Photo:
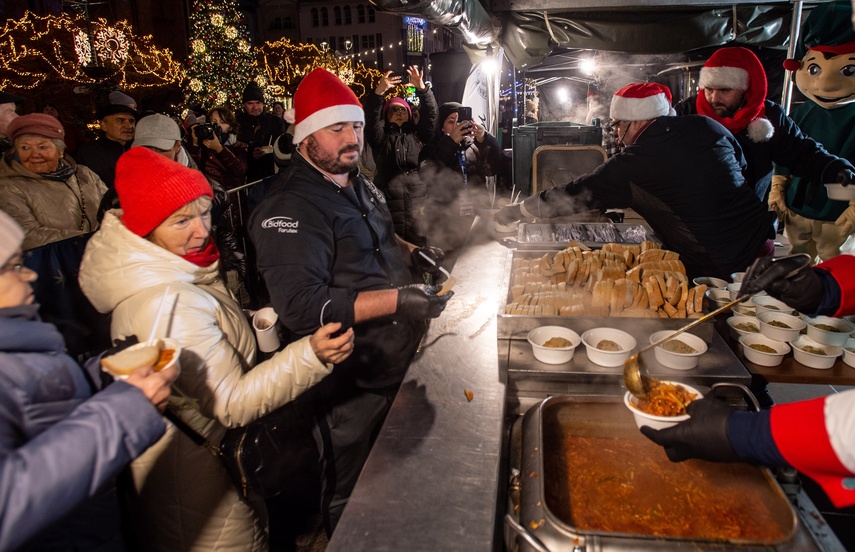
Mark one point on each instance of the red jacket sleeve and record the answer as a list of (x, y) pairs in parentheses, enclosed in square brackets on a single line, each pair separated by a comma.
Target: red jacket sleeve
[(842, 269)]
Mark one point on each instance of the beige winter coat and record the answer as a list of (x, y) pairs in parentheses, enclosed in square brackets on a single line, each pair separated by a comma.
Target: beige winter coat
[(48, 210), (186, 501)]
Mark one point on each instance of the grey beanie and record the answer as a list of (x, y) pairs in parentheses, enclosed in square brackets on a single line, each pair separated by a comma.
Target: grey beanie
[(11, 237)]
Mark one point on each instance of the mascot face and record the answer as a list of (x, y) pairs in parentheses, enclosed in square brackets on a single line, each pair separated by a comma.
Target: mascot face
[(827, 79)]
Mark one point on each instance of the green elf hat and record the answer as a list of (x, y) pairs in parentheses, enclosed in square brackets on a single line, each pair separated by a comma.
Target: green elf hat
[(827, 29)]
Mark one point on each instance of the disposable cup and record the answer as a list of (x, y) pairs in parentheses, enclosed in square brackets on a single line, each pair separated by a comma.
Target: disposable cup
[(264, 324)]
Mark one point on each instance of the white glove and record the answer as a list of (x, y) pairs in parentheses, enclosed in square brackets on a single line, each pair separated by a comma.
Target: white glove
[(778, 194), (847, 219)]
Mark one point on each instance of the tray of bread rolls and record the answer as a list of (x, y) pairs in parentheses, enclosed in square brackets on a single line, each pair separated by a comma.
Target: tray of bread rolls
[(592, 235), (617, 280)]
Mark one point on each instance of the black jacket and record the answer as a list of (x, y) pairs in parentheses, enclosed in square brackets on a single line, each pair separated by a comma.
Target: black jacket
[(101, 157), (684, 176), (787, 147), (318, 245), (396, 153), (259, 131)]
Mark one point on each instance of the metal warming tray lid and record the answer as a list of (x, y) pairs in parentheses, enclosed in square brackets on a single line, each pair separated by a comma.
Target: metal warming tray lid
[(545, 235), (590, 481)]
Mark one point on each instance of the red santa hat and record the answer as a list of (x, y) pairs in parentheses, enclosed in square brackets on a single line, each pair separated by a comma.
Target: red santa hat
[(738, 69), (322, 100), (641, 102)]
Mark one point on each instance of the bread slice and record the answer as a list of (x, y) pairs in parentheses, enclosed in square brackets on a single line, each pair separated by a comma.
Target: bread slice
[(127, 360)]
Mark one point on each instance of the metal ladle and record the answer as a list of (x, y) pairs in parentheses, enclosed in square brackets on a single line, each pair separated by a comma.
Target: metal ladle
[(635, 375)]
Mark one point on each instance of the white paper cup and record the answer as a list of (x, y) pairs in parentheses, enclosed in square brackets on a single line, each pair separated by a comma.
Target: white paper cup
[(264, 324)]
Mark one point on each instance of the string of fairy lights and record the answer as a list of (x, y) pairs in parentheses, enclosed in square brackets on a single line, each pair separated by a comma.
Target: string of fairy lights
[(39, 51)]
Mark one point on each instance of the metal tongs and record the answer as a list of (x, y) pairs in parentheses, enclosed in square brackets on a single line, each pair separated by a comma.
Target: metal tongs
[(635, 375)]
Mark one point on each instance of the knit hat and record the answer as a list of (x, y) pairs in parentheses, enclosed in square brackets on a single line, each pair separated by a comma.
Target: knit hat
[(738, 69), (445, 110), (151, 187), (398, 101), (40, 124), (322, 100), (11, 237), (10, 98), (118, 97), (641, 101), (157, 131), (252, 93), (827, 29)]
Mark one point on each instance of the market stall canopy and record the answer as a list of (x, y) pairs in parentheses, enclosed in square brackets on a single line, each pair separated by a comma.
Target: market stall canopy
[(529, 30)]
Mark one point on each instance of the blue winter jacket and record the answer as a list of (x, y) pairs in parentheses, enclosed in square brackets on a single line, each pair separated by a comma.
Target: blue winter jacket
[(60, 450)]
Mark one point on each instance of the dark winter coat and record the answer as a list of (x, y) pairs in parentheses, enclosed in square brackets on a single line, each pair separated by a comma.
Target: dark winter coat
[(787, 147), (256, 132), (101, 157), (228, 167), (684, 176), (59, 448), (396, 154)]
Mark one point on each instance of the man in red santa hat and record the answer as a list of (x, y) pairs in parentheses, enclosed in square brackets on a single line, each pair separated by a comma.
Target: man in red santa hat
[(682, 174), (733, 92)]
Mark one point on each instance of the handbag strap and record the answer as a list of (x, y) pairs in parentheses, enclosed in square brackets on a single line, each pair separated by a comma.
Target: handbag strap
[(194, 435)]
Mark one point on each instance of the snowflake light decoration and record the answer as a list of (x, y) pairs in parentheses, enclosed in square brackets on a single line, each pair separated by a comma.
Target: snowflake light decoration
[(222, 97), (198, 46), (82, 48), (111, 44), (231, 32), (217, 20), (195, 85), (346, 75), (243, 46)]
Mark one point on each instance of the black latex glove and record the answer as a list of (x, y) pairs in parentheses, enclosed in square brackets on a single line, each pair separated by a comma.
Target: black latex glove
[(845, 177), (703, 435), (508, 214), (802, 291), (423, 265), (421, 302)]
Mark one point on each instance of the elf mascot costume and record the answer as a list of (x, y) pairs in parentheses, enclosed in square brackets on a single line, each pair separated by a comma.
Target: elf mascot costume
[(825, 73)]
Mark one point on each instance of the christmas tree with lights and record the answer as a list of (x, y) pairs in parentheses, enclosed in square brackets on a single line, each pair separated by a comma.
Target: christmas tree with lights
[(221, 60)]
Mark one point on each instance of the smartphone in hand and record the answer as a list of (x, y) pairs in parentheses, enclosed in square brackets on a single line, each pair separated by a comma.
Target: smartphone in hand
[(464, 114)]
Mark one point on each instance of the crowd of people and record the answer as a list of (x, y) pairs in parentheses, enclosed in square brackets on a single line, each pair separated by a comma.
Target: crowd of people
[(349, 266)]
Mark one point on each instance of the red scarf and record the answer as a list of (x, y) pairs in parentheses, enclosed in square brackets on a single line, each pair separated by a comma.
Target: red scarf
[(750, 110), (204, 257)]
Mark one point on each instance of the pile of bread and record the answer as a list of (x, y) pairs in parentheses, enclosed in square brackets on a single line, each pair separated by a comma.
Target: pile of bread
[(641, 280)]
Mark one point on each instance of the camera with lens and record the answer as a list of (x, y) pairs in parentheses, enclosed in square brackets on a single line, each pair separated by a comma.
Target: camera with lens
[(206, 131)]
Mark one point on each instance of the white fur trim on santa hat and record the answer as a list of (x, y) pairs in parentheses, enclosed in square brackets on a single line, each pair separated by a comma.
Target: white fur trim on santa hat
[(289, 116), (326, 117), (734, 78), (640, 109), (760, 130)]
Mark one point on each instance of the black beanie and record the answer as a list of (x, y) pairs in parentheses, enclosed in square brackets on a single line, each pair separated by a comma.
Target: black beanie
[(445, 110), (252, 92)]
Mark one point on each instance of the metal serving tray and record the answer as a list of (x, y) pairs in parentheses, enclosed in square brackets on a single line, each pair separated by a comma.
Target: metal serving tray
[(592, 234)]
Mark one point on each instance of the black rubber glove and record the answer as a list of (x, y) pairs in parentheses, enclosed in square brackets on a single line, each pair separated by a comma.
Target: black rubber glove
[(421, 302), (423, 265), (508, 214), (703, 435), (845, 177), (802, 291)]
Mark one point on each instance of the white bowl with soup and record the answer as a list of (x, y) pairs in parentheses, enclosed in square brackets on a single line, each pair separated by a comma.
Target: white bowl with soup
[(849, 352), (814, 354), (829, 330), (608, 347), (553, 344), (742, 325), (780, 326), (642, 409), (679, 353), (763, 351)]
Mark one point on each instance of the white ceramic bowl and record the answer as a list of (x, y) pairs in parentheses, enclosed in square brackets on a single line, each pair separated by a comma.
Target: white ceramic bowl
[(553, 355), (716, 298), (737, 276), (657, 422), (795, 324), (710, 281), (608, 359), (167, 345), (813, 360), (765, 303), (849, 352), (678, 361), (737, 319), (826, 337), (745, 310), (760, 357), (840, 192)]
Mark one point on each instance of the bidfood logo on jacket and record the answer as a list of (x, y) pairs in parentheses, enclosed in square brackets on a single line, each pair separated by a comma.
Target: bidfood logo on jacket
[(283, 225)]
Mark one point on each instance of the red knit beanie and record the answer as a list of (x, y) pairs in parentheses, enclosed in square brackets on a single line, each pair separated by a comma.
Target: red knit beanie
[(151, 188), (321, 100)]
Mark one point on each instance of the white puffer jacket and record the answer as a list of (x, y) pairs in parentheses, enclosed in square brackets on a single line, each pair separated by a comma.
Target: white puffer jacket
[(186, 501)]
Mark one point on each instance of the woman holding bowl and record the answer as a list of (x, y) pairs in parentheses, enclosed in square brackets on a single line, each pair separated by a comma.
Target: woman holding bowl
[(184, 498)]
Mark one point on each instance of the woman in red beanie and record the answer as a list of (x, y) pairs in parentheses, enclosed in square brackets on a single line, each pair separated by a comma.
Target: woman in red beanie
[(184, 499), (44, 190)]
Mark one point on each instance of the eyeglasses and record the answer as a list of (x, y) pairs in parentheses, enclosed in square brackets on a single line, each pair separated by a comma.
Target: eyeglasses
[(397, 110)]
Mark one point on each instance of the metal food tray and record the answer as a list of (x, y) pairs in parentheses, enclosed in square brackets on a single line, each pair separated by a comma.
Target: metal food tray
[(592, 234)]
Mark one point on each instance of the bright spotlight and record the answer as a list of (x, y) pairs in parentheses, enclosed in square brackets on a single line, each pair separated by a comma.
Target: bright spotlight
[(562, 95), (489, 65), (588, 66)]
